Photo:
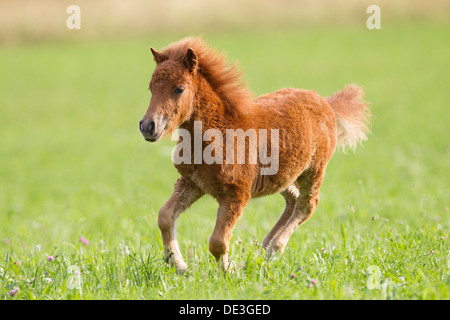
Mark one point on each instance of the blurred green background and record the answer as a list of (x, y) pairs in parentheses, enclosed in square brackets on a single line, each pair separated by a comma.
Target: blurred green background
[(72, 160)]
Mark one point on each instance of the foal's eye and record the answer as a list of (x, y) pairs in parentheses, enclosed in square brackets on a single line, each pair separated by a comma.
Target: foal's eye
[(179, 90)]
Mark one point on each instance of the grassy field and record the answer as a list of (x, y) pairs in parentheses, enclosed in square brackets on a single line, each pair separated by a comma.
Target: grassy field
[(73, 166)]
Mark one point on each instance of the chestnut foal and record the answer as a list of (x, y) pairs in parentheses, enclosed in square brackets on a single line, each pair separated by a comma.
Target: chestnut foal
[(192, 83)]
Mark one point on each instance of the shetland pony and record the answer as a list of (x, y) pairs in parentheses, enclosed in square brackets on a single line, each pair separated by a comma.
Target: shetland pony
[(192, 83)]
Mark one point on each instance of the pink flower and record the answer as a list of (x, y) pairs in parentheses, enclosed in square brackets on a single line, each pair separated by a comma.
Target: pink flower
[(50, 258), (312, 282), (14, 291), (84, 241)]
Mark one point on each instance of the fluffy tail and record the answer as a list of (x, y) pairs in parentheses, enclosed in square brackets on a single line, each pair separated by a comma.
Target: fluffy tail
[(352, 116)]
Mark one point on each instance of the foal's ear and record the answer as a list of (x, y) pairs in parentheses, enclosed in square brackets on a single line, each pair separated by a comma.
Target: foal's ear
[(158, 56), (190, 60)]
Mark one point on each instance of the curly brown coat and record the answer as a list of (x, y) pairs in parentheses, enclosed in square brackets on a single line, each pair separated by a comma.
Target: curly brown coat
[(192, 82)]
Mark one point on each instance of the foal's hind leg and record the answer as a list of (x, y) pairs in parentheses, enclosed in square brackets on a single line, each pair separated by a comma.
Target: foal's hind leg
[(309, 184), (290, 196), (185, 193)]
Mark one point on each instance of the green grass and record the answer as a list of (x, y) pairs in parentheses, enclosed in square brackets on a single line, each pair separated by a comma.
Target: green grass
[(73, 164)]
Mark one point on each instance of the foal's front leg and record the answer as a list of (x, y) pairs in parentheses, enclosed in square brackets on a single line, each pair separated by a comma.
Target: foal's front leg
[(184, 195), (227, 214)]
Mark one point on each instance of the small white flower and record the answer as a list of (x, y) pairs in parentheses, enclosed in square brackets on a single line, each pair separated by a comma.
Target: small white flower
[(74, 282), (124, 251), (73, 269), (373, 270), (5, 275), (48, 280), (373, 281)]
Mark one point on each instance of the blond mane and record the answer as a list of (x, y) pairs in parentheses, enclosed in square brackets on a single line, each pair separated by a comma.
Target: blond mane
[(223, 78)]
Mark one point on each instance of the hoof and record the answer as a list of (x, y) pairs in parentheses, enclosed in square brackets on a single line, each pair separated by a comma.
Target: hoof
[(231, 268), (275, 247), (181, 267), (226, 265), (266, 243)]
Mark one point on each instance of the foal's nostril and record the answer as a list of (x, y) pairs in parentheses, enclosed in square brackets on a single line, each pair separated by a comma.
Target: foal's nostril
[(151, 127), (140, 125)]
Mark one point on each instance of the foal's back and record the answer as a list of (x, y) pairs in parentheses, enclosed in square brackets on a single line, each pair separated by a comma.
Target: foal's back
[(307, 134)]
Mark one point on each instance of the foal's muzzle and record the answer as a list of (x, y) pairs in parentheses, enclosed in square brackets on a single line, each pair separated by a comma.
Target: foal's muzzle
[(153, 127)]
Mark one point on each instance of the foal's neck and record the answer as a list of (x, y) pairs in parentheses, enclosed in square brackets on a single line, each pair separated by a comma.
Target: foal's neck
[(210, 109)]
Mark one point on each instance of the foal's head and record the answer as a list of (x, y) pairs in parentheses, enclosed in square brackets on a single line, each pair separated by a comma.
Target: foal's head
[(173, 90)]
